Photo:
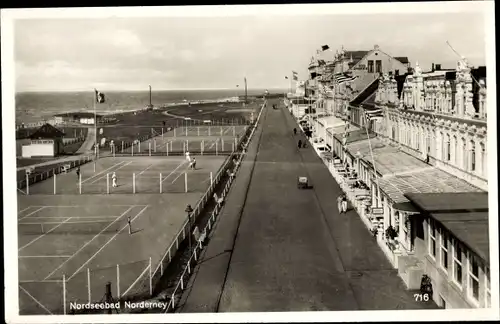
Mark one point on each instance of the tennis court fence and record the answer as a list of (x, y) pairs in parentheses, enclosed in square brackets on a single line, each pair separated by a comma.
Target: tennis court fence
[(118, 283)]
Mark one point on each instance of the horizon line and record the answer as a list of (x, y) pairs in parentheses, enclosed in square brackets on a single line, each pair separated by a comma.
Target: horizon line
[(152, 90)]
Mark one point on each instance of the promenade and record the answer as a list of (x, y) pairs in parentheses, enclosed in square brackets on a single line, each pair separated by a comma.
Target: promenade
[(278, 248)]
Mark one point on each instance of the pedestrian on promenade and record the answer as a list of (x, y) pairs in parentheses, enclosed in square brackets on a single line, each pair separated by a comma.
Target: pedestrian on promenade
[(295, 131), (113, 177), (78, 173), (344, 204), (339, 203), (300, 143)]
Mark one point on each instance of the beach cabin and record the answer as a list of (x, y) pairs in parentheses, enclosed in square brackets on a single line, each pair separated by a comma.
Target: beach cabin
[(46, 141)]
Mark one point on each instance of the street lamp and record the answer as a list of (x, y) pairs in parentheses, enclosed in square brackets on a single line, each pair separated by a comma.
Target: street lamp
[(189, 211)]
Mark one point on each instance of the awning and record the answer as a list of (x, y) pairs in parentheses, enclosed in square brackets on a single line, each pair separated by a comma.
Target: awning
[(406, 207), (422, 180)]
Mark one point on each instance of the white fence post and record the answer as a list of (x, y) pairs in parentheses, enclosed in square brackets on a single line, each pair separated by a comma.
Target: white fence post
[(118, 280), (27, 184), (150, 278), (161, 183), (186, 181), (133, 182), (88, 285), (107, 183), (64, 293), (55, 182)]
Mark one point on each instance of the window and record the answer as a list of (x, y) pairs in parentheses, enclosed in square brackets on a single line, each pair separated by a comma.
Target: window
[(432, 239), (472, 156), (484, 161), (378, 66), (370, 66), (464, 154), (457, 263), (444, 250), (473, 278), (448, 148), (417, 142), (455, 150), (487, 288)]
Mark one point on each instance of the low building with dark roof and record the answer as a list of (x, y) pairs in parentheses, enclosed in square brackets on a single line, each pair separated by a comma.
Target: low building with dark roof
[(449, 236), (46, 141)]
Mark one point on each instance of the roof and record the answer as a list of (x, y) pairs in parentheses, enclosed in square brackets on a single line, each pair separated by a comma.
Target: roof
[(464, 215), (388, 159), (370, 101), (459, 202), (331, 121), (400, 81), (422, 180), (471, 229), (402, 59), (47, 131), (368, 91), (356, 56), (355, 136), (341, 129)]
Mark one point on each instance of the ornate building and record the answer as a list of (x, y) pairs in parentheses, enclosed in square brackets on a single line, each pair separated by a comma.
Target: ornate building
[(435, 117)]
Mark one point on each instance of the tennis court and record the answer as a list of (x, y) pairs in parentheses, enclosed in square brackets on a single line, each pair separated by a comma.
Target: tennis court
[(134, 175), (86, 239)]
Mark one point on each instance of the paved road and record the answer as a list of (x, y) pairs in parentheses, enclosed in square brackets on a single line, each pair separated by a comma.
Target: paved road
[(292, 250)]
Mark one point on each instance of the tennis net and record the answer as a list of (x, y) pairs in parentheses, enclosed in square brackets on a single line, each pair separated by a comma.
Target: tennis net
[(83, 227)]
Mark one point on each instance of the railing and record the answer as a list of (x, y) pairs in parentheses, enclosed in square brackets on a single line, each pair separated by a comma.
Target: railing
[(47, 173), (193, 259)]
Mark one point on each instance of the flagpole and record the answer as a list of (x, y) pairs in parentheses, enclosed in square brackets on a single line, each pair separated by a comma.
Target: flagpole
[(95, 123), (371, 153)]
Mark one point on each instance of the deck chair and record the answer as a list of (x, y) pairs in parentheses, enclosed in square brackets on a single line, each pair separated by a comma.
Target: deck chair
[(230, 173), (65, 168), (218, 200)]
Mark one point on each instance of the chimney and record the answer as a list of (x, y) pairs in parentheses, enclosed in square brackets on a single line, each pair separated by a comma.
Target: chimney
[(438, 67), (396, 72), (433, 67)]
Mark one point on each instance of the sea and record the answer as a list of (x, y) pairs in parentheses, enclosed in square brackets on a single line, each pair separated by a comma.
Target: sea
[(37, 106)]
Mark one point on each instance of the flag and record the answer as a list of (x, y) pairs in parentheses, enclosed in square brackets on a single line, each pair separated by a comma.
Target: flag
[(374, 114), (294, 73), (286, 77), (345, 78), (237, 85), (295, 78), (325, 47), (99, 96)]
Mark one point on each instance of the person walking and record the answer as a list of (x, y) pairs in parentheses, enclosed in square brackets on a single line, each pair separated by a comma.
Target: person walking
[(295, 131), (339, 203), (193, 164), (113, 177), (78, 173), (344, 204), (300, 144)]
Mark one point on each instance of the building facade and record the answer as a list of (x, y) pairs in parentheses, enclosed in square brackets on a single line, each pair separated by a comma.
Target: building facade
[(431, 139)]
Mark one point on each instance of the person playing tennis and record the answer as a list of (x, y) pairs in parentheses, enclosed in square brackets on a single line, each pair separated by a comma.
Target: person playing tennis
[(114, 180)]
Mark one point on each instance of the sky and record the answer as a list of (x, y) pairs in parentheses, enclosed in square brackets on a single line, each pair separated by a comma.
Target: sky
[(79, 54)]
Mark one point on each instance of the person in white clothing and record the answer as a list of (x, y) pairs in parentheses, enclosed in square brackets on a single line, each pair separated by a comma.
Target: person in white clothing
[(188, 157), (113, 177)]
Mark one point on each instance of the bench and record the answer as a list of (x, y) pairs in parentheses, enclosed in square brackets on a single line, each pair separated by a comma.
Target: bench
[(218, 200), (65, 168), (230, 174)]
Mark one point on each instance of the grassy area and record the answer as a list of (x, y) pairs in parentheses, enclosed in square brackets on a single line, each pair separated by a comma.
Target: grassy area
[(131, 127)]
